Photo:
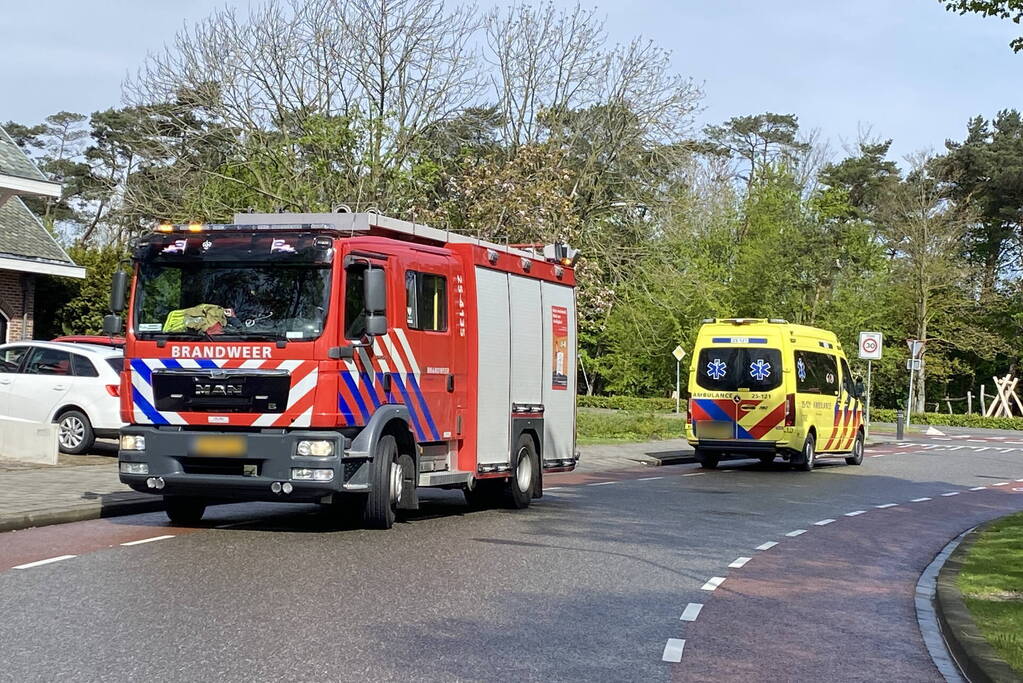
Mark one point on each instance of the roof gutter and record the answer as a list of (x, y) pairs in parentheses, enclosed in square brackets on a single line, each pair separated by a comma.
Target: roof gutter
[(41, 267)]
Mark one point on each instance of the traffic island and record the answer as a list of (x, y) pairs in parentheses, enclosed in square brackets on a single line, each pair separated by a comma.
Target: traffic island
[(979, 602)]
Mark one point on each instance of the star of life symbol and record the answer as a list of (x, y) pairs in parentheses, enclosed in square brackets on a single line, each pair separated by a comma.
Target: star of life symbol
[(801, 370), (716, 369), (760, 369)]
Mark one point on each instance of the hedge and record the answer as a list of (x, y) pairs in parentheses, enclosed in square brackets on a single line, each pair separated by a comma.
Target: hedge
[(627, 403), (946, 420)]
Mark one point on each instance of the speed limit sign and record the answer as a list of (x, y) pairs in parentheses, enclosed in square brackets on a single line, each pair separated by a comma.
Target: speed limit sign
[(870, 345)]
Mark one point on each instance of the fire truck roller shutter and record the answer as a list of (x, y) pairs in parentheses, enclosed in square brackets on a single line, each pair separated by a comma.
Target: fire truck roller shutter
[(493, 408), (559, 371), (527, 361)]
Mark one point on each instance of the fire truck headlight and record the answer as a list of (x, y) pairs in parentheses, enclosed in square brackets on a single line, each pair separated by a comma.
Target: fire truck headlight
[(318, 448), (134, 468), (133, 442), (311, 474)]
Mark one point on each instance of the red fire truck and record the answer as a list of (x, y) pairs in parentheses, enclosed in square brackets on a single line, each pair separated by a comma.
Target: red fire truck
[(343, 358)]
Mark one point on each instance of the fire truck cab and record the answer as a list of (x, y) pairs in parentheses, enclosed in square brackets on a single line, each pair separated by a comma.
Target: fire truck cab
[(344, 358)]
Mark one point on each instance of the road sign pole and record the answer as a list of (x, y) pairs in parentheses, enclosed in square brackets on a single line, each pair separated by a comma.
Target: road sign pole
[(868, 394), (678, 386), (909, 403)]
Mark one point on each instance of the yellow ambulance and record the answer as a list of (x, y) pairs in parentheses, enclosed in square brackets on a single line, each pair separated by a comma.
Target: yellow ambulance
[(766, 388)]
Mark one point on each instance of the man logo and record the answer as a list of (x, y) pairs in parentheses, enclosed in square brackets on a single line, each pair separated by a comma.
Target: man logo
[(218, 390)]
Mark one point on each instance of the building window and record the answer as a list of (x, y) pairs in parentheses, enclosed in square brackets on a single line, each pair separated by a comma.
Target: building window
[(426, 304)]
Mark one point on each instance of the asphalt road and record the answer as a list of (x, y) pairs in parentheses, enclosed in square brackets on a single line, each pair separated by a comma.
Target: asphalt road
[(587, 584)]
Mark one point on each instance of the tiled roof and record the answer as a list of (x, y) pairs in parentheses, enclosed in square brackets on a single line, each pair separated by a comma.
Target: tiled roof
[(21, 234), (14, 162)]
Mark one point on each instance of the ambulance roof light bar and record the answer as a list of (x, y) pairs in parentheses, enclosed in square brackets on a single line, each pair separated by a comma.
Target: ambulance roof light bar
[(746, 321)]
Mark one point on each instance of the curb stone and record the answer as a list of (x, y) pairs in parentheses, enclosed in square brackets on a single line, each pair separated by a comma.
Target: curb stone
[(978, 661), (80, 513)]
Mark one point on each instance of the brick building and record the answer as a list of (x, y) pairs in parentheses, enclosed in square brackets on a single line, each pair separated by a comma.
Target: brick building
[(27, 249)]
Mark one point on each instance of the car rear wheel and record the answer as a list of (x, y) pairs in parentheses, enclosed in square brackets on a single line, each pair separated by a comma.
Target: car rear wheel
[(74, 432), (809, 454), (856, 456)]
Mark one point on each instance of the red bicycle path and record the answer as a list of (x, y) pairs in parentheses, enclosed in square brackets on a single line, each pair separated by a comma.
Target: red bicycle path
[(835, 603)]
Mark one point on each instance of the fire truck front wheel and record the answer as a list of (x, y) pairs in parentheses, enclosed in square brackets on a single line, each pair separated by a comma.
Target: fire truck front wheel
[(184, 509), (525, 469), (385, 485)]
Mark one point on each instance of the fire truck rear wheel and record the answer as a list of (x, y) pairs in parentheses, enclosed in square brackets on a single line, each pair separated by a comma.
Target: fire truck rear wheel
[(385, 485), (184, 509), (525, 469)]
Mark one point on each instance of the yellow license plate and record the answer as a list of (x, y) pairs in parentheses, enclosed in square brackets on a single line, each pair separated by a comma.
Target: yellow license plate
[(219, 446)]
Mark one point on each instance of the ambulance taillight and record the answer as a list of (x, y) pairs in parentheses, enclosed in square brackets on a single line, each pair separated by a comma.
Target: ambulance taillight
[(790, 410), (689, 413)]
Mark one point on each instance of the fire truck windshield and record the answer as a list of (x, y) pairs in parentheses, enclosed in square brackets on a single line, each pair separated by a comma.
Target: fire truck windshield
[(230, 291)]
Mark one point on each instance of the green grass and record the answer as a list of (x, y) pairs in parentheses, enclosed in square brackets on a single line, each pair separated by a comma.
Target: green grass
[(991, 581), (608, 427)]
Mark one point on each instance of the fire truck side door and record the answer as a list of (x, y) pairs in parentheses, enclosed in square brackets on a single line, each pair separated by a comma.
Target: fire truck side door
[(423, 341)]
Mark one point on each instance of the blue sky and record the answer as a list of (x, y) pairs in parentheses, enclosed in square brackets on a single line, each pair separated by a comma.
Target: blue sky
[(904, 68)]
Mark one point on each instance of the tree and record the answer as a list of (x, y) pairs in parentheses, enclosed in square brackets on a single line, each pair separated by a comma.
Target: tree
[(986, 169), (923, 231), (1003, 9), (758, 141)]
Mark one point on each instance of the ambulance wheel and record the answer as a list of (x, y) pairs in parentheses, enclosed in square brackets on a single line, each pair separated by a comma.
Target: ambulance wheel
[(385, 485), (707, 460), (184, 510), (856, 456), (525, 470), (809, 454)]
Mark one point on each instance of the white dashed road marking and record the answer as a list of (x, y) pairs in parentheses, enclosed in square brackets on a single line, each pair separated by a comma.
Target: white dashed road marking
[(978, 488), (673, 650), (795, 533), (648, 478), (739, 562), (886, 505), (713, 583), (149, 540), (950, 493), (693, 474), (919, 500), (1001, 483), (39, 563), (691, 611), (602, 483), (767, 546), (823, 522), (854, 513)]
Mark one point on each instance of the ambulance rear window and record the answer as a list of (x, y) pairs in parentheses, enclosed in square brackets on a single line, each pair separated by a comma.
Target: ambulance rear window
[(739, 367)]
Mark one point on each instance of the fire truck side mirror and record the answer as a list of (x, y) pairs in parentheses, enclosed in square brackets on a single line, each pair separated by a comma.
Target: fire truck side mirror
[(118, 291), (375, 291), (112, 325), (376, 325)]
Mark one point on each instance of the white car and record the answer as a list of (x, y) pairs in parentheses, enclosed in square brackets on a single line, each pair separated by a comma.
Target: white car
[(75, 385)]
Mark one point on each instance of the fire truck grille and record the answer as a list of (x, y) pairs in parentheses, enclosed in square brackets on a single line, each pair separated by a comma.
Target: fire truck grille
[(221, 391)]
